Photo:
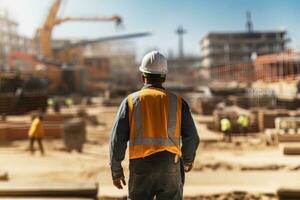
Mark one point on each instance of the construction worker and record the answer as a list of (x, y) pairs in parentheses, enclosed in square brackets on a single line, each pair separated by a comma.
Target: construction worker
[(69, 102), (161, 133), (36, 133), (226, 128), (50, 102), (243, 122)]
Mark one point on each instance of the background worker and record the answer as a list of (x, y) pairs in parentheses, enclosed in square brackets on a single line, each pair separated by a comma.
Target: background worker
[(243, 122), (155, 122), (36, 133), (69, 102), (226, 128)]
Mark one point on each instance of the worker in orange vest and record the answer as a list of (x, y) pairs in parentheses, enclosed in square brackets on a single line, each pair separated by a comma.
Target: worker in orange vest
[(161, 133), (36, 133)]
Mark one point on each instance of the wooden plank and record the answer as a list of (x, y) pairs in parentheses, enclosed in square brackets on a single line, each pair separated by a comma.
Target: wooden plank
[(89, 192), (288, 138), (289, 193), (291, 150)]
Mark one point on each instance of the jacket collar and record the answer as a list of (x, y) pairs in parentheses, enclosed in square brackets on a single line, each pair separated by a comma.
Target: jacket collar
[(155, 85)]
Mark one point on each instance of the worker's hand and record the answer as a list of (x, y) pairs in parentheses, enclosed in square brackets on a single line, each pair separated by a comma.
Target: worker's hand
[(119, 182), (188, 167)]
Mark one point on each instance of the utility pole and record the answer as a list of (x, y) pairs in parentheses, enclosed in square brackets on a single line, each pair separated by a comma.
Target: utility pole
[(249, 25), (180, 32)]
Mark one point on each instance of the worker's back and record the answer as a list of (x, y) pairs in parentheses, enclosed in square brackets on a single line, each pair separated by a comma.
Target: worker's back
[(225, 124), (243, 121), (155, 118)]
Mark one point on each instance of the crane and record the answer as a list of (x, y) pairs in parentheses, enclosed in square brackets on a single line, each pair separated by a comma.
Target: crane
[(44, 33), (69, 54)]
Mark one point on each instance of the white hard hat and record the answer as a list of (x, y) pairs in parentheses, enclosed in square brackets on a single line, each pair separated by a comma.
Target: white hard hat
[(154, 63)]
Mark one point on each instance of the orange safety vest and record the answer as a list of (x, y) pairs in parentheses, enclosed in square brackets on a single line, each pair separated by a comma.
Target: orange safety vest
[(36, 129), (155, 122)]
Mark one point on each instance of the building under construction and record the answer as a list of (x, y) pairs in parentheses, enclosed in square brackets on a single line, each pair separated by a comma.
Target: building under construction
[(236, 47), (221, 48)]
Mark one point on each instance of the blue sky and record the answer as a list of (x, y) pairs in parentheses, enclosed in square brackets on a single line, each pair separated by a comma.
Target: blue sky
[(162, 17)]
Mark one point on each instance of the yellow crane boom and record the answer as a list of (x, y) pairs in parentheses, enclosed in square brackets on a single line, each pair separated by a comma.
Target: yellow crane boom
[(44, 33), (115, 18)]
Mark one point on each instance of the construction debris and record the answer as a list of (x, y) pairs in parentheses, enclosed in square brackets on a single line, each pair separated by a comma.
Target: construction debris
[(3, 176)]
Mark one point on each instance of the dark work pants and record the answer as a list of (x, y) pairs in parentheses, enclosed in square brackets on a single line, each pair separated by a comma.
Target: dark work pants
[(155, 176), (39, 141), (227, 136), (244, 130)]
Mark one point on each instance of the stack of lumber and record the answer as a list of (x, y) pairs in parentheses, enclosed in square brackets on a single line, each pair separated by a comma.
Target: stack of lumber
[(10, 104), (266, 118), (288, 137), (17, 130)]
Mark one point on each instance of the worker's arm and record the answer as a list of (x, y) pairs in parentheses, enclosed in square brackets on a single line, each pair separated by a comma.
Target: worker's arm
[(118, 140), (189, 135)]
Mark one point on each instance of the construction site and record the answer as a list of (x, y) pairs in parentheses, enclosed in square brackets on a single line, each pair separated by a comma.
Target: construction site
[(243, 91)]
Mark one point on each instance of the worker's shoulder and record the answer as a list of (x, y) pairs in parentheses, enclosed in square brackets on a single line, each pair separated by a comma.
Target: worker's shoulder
[(133, 95), (174, 93)]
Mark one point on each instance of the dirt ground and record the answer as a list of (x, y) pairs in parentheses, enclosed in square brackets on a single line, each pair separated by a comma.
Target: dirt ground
[(244, 169)]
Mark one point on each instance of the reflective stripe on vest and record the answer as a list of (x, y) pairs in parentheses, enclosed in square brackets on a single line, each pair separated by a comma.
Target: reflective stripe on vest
[(139, 138)]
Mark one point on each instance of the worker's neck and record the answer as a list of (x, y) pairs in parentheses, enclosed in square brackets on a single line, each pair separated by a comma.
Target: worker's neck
[(157, 84)]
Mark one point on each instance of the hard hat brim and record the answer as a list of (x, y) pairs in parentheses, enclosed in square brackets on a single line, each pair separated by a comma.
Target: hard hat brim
[(142, 69)]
